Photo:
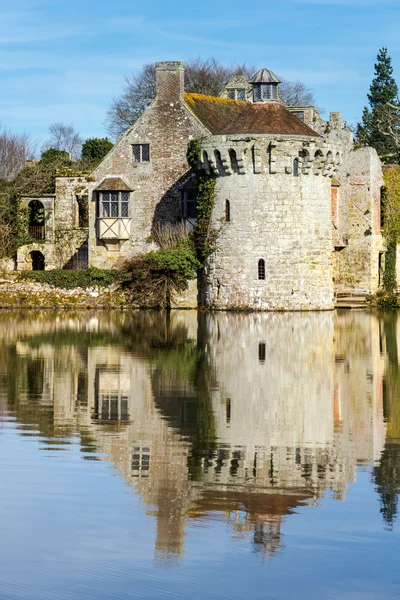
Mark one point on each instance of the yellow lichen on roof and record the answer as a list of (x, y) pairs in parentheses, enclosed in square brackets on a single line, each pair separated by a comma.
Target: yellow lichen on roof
[(192, 98)]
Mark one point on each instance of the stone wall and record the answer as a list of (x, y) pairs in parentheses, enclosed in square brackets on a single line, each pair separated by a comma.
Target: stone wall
[(275, 216), (16, 293), (166, 126), (357, 264), (63, 236)]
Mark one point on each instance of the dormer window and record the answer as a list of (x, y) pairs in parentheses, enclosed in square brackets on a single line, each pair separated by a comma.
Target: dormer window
[(236, 93), (265, 86)]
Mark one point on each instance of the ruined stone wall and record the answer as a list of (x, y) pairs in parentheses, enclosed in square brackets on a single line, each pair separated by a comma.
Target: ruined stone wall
[(356, 265), (63, 236), (166, 126), (276, 216)]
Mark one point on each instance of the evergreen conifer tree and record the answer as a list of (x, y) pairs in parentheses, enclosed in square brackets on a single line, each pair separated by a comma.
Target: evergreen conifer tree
[(379, 117)]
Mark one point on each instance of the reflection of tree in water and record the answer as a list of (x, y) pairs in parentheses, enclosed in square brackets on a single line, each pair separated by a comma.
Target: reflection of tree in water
[(182, 380), (387, 473)]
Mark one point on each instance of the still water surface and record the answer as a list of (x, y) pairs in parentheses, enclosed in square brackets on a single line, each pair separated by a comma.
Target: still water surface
[(222, 456)]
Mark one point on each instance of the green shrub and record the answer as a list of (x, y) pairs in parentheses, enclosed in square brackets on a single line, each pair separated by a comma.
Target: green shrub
[(154, 277), (69, 279), (179, 262)]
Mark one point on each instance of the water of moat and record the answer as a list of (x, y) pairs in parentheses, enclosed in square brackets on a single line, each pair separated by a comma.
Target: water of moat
[(220, 456)]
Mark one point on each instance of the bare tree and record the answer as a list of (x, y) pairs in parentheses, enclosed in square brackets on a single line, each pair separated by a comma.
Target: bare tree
[(15, 149), (201, 77), (64, 137), (296, 93), (210, 77)]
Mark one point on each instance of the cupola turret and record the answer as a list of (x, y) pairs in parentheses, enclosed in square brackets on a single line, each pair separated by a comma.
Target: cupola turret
[(265, 86)]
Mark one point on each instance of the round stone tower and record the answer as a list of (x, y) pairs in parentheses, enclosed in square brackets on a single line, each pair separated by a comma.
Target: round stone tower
[(272, 208)]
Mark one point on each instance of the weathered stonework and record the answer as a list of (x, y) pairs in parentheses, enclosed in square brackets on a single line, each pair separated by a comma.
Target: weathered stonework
[(167, 126), (275, 216), (64, 235), (290, 192)]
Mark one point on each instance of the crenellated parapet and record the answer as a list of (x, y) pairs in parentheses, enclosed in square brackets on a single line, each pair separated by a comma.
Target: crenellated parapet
[(224, 156)]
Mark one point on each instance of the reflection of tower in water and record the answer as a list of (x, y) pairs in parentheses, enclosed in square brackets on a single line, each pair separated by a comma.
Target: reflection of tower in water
[(247, 417)]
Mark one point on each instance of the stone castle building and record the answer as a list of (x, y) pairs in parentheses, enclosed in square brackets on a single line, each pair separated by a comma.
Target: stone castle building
[(297, 206)]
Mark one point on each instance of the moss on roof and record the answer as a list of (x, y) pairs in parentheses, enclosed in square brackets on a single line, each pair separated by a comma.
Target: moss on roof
[(225, 116)]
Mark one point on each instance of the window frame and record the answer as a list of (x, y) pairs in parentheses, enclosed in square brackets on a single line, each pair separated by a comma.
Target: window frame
[(119, 202), (185, 194), (261, 270), (227, 211), (234, 92), (138, 160)]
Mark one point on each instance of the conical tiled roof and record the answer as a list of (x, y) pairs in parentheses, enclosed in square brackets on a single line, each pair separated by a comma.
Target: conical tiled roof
[(223, 116)]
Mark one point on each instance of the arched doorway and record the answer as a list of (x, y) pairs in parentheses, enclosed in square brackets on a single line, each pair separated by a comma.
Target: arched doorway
[(38, 263), (36, 220)]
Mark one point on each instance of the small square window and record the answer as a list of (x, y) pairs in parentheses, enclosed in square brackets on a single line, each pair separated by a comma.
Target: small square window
[(299, 114), (141, 152)]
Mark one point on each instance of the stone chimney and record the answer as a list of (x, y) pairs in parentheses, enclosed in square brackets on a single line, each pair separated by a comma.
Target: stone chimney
[(170, 81)]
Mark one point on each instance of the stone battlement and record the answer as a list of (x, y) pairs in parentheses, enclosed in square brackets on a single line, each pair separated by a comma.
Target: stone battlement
[(224, 156)]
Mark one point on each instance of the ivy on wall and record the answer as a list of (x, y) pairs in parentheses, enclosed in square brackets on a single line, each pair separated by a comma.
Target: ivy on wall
[(204, 235), (391, 226)]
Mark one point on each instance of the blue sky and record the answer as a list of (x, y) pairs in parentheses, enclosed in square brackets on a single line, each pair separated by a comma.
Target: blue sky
[(64, 61)]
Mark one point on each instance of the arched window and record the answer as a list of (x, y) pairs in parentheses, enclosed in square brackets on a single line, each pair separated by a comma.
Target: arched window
[(261, 269), (218, 161), (227, 211), (305, 160), (36, 227), (318, 162), (296, 167), (234, 163)]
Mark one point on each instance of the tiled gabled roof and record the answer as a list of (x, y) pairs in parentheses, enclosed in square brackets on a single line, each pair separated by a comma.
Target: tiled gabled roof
[(223, 116), (214, 112)]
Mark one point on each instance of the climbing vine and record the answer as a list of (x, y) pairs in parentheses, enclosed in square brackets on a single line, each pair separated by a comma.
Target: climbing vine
[(204, 235), (391, 226)]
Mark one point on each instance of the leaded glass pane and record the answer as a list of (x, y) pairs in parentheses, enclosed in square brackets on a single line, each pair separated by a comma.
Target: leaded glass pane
[(256, 92), (231, 94), (136, 152), (241, 95), (114, 204), (124, 209), (145, 152), (105, 204), (266, 91), (125, 196)]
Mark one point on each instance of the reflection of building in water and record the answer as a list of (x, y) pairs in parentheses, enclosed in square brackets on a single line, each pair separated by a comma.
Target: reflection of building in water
[(245, 416)]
